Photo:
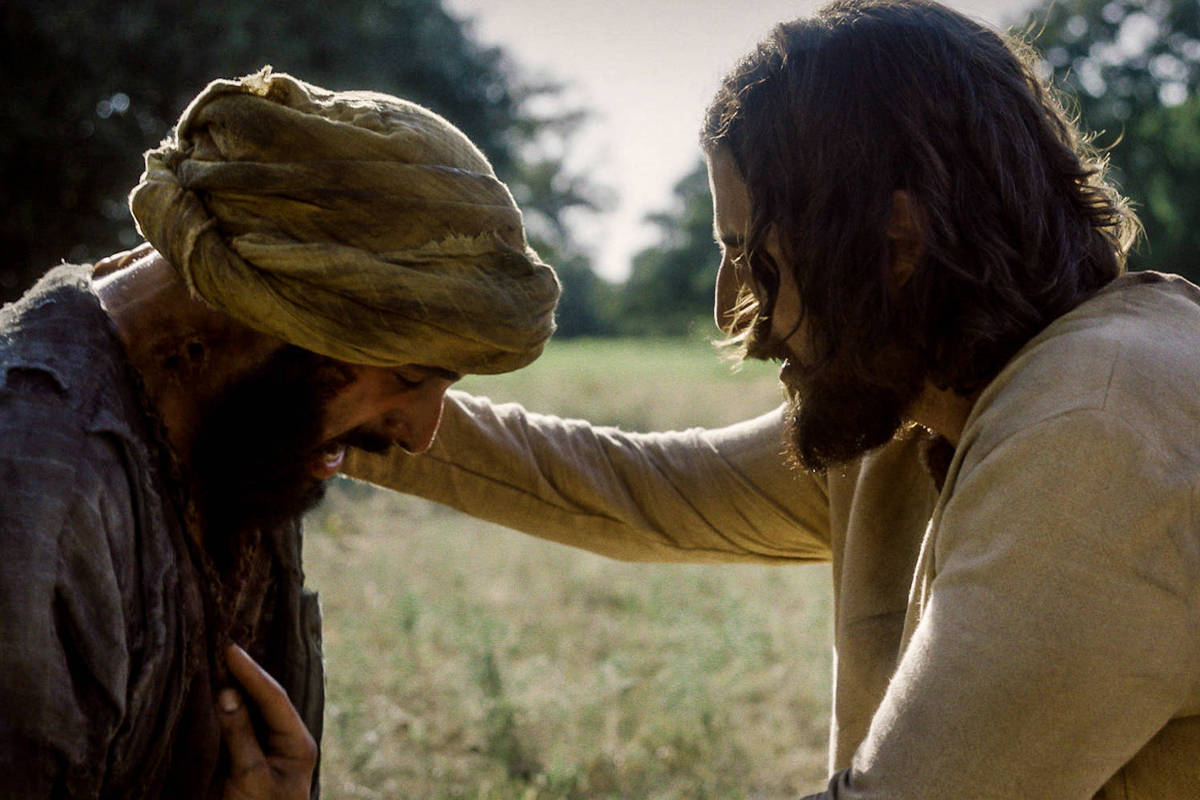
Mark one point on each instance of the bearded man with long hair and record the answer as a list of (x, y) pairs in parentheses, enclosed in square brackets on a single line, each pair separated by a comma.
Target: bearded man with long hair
[(992, 427)]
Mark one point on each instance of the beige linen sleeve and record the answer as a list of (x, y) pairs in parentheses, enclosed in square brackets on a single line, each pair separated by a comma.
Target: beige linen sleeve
[(696, 495), (1058, 636)]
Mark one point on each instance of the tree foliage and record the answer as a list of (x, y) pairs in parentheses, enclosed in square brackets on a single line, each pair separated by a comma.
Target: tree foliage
[(670, 286), (1133, 68), (1130, 67), (90, 85), (548, 191)]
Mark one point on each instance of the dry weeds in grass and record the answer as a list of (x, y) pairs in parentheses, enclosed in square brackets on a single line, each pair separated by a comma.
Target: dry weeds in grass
[(466, 661)]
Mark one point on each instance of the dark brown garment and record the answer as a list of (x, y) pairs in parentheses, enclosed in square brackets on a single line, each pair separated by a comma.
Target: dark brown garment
[(106, 627)]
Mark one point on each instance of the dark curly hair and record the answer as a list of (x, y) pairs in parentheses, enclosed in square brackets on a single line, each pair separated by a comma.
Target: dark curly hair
[(829, 116)]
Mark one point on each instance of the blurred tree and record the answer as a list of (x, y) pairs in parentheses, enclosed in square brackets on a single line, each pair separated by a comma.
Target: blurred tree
[(1134, 68), (670, 286), (548, 192), (90, 84)]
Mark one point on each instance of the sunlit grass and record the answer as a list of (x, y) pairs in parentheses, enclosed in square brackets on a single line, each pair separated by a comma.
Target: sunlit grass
[(467, 661), (637, 384)]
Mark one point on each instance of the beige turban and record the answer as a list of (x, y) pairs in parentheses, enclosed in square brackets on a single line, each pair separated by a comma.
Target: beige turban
[(353, 224)]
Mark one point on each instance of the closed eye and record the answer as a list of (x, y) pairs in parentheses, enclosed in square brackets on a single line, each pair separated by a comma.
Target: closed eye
[(408, 381), (411, 376), (732, 244)]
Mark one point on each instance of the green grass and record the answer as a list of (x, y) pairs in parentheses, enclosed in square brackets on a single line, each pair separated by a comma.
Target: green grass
[(468, 661), (637, 384)]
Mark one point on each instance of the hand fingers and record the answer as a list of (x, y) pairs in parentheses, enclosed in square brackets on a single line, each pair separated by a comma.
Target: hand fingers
[(288, 738), (245, 754)]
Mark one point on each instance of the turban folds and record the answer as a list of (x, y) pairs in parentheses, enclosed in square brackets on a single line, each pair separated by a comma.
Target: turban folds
[(353, 224)]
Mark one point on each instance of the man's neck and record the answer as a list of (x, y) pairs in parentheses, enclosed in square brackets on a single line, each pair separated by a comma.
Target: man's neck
[(942, 411)]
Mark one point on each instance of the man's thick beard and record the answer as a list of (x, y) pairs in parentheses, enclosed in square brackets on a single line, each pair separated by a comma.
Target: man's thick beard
[(834, 418), (250, 460)]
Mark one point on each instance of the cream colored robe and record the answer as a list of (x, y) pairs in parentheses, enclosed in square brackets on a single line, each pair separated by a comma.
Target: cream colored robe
[(1031, 631)]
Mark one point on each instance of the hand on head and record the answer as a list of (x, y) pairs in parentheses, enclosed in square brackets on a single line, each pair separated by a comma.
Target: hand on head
[(283, 771)]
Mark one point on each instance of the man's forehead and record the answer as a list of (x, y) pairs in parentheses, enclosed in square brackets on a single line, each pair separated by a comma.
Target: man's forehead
[(731, 199)]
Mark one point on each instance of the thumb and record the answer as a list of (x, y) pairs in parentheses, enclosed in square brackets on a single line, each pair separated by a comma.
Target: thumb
[(245, 754)]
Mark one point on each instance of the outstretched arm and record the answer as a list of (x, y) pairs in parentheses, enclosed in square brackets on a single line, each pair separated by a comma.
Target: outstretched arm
[(695, 495)]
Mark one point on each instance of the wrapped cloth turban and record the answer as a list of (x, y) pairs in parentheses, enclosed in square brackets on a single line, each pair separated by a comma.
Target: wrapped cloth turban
[(353, 224)]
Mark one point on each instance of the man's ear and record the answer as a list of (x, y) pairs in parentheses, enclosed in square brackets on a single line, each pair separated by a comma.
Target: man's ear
[(906, 244)]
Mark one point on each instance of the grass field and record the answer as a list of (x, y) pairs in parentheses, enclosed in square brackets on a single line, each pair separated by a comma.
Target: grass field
[(468, 661)]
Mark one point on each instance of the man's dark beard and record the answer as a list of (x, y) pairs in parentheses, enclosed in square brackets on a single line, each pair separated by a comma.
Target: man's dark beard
[(250, 459), (836, 417)]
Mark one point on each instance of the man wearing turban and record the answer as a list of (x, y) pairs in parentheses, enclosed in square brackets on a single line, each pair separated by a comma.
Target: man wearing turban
[(320, 267)]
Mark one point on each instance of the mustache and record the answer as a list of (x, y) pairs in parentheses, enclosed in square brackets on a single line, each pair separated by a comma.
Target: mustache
[(367, 441)]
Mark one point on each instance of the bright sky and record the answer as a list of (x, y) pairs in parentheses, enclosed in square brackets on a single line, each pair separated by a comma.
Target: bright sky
[(647, 68)]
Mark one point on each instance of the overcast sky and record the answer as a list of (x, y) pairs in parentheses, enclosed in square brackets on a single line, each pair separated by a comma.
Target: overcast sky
[(647, 68)]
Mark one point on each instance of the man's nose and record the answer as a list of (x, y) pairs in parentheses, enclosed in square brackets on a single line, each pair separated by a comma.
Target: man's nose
[(725, 296), (414, 425)]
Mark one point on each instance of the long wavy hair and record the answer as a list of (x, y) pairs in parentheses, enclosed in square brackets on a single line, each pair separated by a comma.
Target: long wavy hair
[(829, 116)]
